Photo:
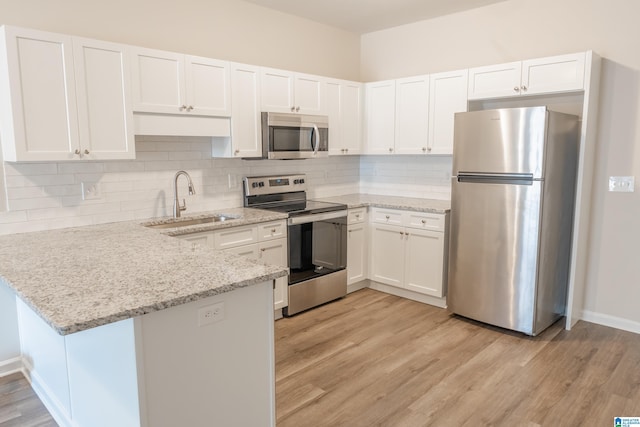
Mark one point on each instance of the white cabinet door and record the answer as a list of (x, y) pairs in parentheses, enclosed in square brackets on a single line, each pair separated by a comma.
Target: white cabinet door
[(247, 251), (387, 254), (412, 115), (381, 107), (158, 82), (310, 93), (423, 263), (495, 81), (350, 117), (357, 255), (202, 239), (333, 112), (275, 252), (562, 73), (246, 133), (344, 109), (104, 109), (39, 114), (277, 91), (447, 96), (208, 87)]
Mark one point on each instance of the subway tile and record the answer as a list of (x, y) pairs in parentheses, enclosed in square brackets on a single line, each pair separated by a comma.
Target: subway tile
[(36, 203), (12, 217), (30, 168), (81, 167)]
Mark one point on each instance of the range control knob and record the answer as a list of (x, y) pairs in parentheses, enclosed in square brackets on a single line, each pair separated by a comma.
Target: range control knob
[(296, 181), (302, 181), (261, 184), (254, 185)]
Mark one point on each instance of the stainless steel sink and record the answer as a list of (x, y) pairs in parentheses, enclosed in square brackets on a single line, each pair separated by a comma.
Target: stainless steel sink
[(196, 221)]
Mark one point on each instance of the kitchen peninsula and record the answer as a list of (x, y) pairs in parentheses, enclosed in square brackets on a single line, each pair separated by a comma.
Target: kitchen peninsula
[(123, 325)]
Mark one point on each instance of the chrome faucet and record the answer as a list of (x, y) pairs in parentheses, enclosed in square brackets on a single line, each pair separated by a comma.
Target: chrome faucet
[(177, 207)]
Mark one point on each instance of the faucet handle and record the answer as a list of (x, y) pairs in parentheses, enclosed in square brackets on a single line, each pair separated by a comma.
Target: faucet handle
[(183, 206)]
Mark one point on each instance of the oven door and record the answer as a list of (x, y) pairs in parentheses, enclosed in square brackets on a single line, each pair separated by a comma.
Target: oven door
[(317, 245)]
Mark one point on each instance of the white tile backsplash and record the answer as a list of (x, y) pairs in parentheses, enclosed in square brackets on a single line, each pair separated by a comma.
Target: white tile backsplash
[(48, 195)]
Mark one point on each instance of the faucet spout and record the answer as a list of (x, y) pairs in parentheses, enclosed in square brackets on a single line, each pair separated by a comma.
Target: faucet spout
[(177, 207)]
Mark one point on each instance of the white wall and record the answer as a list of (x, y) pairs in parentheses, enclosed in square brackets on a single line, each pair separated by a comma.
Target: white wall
[(521, 29), (225, 29)]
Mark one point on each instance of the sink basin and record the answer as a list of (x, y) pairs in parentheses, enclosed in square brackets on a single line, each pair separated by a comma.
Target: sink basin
[(196, 221)]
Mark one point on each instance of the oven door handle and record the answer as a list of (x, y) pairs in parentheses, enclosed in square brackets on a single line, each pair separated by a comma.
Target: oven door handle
[(304, 219), (316, 138)]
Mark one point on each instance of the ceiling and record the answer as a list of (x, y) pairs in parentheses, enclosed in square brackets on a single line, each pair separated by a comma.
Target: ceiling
[(363, 16)]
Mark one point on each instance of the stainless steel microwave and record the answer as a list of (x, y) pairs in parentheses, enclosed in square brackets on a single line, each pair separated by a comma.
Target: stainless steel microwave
[(294, 136)]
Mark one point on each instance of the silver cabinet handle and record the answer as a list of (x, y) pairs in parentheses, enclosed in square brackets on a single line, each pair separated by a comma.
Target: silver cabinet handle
[(86, 151), (346, 150), (297, 109), (524, 88), (273, 230), (357, 215), (424, 221), (387, 217), (190, 107), (77, 152), (262, 249), (401, 233), (183, 107), (428, 149), (293, 109), (236, 152), (424, 149), (390, 149), (516, 89)]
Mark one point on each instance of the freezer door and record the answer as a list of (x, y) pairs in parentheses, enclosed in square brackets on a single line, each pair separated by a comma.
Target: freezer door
[(493, 252), (500, 141)]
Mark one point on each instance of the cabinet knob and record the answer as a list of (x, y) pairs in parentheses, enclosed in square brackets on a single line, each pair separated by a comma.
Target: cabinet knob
[(424, 149), (357, 215), (293, 109), (297, 109), (524, 88), (190, 107), (183, 107), (86, 151), (346, 150), (262, 249), (516, 89), (424, 221), (428, 149), (401, 233), (390, 149), (387, 217), (77, 152), (273, 231)]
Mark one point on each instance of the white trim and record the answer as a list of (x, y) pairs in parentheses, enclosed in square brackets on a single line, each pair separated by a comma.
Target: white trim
[(11, 366), (364, 283), (405, 293), (611, 321), (48, 399)]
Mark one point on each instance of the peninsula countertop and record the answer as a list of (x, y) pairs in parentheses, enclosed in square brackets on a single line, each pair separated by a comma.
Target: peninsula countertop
[(83, 277), (392, 202)]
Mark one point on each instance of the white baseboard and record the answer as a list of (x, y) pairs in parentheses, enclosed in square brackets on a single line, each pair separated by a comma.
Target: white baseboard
[(10, 366), (357, 286), (404, 293), (611, 321), (47, 398)]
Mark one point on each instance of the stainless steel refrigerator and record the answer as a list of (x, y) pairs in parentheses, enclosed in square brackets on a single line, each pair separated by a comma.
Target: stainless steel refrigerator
[(512, 201)]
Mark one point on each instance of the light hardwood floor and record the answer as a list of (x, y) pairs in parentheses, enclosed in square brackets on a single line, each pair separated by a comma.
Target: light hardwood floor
[(19, 405), (373, 359)]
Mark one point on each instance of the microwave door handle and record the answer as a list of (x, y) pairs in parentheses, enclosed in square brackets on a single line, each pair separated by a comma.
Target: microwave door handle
[(316, 138)]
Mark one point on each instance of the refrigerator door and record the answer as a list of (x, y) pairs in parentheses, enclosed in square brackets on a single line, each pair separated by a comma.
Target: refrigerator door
[(493, 252), (500, 141)]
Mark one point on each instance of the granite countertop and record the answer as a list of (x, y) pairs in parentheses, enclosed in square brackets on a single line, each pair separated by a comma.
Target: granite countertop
[(84, 277), (392, 202)]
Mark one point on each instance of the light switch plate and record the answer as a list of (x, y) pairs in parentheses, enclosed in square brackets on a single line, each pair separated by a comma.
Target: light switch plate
[(623, 184)]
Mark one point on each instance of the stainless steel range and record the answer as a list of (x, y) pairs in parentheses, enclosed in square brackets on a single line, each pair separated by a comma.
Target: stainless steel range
[(317, 238)]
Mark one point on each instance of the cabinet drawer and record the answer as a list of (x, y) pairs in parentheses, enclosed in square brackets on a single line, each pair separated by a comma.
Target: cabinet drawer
[(272, 230), (425, 221), (356, 216), (235, 236), (387, 216)]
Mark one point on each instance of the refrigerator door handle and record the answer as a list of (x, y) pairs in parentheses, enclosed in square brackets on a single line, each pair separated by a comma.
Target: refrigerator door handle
[(497, 178)]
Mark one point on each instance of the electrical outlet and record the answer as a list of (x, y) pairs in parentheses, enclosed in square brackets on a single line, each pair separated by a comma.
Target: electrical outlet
[(211, 314), (621, 184), (91, 191), (233, 181)]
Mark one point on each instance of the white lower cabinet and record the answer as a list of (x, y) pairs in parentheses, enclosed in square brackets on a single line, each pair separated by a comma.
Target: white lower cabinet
[(357, 250), (409, 255), (266, 242)]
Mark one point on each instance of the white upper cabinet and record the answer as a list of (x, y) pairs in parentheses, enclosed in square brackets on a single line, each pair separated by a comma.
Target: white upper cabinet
[(104, 105), (344, 109), (447, 96), (173, 83), (246, 134), (63, 98), (380, 117), (288, 92), (564, 73), (412, 115)]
